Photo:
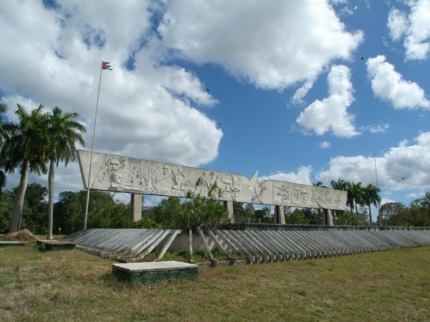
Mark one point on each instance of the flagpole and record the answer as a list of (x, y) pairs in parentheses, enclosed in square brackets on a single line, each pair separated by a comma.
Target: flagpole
[(92, 149)]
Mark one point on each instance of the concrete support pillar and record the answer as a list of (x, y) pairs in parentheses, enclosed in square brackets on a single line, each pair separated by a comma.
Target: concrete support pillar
[(228, 205), (136, 207), (279, 215), (327, 218)]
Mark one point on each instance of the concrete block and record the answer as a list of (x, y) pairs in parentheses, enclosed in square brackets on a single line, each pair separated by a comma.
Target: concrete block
[(54, 245), (12, 243), (155, 271)]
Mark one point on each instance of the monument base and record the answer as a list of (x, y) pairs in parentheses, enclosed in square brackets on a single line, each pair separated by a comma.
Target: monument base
[(53, 245), (12, 243), (152, 272)]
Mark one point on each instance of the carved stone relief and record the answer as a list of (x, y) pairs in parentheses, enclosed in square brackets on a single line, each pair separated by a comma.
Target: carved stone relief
[(115, 173)]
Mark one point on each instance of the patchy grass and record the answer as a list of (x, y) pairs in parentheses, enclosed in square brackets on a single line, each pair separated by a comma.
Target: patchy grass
[(76, 286)]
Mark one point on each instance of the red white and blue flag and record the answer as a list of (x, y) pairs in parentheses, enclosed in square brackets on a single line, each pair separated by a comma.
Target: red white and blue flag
[(106, 65)]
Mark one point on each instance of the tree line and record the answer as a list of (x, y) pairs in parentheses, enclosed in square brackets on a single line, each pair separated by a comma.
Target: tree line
[(417, 214), (37, 142), (172, 213), (68, 211)]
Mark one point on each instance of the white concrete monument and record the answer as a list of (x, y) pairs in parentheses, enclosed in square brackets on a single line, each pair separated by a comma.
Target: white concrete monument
[(118, 173)]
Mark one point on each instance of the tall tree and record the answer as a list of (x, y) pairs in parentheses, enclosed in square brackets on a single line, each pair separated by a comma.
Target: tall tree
[(355, 195), (317, 184), (340, 184), (3, 178), (63, 134), (371, 197), (34, 210), (25, 148)]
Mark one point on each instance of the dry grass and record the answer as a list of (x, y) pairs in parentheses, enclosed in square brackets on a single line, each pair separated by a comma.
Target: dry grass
[(76, 286)]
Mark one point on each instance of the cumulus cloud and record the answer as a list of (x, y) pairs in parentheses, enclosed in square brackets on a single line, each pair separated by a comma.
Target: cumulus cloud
[(415, 29), (300, 40), (401, 168), (325, 145), (397, 24), (331, 114), (301, 176), (148, 112), (389, 85), (302, 91)]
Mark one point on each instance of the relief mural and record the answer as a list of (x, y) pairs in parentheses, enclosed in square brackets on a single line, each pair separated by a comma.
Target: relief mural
[(115, 173)]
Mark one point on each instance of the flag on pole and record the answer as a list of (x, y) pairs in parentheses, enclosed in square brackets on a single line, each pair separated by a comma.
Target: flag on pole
[(106, 65)]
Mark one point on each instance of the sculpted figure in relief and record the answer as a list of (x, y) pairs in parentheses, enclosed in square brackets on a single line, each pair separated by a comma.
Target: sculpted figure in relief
[(113, 171), (177, 180)]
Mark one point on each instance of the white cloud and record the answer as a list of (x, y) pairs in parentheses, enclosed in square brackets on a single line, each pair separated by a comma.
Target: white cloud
[(158, 199), (331, 112), (301, 176), (403, 142), (376, 128), (389, 85), (325, 145), (148, 112), (120, 197), (415, 29), (147, 204), (302, 91), (274, 44), (413, 195), (409, 162), (385, 200), (417, 42), (397, 24)]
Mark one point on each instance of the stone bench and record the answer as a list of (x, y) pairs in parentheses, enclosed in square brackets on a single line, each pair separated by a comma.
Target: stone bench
[(12, 243), (55, 245), (151, 272)]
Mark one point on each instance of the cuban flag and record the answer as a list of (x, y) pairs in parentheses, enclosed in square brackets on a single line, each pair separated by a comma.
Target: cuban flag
[(106, 65)]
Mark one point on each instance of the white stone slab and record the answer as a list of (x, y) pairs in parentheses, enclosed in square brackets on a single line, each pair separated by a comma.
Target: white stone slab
[(12, 242), (118, 173), (154, 266)]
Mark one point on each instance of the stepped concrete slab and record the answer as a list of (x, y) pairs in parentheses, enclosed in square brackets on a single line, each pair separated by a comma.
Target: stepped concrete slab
[(155, 271), (131, 245), (53, 245)]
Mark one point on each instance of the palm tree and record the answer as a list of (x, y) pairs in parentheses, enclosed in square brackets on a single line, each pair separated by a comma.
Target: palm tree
[(355, 195), (340, 184), (319, 184), (24, 147), (371, 196), (64, 132), (3, 178)]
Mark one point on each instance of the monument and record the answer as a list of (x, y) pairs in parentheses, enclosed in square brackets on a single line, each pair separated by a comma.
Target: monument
[(118, 173)]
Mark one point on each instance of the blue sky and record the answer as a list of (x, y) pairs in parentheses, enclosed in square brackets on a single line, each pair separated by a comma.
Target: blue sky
[(303, 91)]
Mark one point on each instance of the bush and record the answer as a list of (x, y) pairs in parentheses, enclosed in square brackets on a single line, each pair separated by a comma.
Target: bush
[(146, 223)]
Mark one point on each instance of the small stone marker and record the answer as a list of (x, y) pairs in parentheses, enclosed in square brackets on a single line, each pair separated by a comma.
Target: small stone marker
[(55, 245), (154, 271), (12, 243)]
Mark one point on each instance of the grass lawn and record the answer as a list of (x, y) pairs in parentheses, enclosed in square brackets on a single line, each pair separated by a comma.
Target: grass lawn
[(76, 286)]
